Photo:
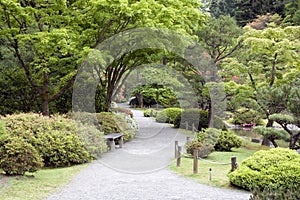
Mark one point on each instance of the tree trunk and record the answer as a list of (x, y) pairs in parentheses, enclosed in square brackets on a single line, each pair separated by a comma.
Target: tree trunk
[(293, 141), (266, 141), (45, 107), (140, 100), (108, 100)]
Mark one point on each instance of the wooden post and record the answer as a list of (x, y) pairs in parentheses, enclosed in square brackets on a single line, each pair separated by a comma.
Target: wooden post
[(193, 128), (210, 174), (176, 149), (195, 168), (151, 113), (233, 163), (187, 125), (179, 157)]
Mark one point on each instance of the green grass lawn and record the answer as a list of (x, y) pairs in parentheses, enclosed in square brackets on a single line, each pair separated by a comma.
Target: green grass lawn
[(219, 172), (38, 185)]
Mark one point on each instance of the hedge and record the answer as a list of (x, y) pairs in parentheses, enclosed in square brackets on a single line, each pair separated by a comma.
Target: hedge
[(275, 168)]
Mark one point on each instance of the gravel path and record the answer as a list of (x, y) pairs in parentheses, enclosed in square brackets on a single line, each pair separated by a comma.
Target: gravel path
[(139, 171)]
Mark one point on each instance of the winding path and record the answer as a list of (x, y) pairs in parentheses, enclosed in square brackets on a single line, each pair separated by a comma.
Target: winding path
[(139, 171)]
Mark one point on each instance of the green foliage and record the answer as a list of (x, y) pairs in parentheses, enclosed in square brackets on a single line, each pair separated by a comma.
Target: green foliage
[(117, 123), (219, 37), (270, 131), (156, 94), (203, 148), (18, 156), (55, 138), (204, 141), (275, 168), (150, 113), (246, 116), (288, 192), (194, 116), (247, 10), (162, 117), (227, 140), (122, 110)]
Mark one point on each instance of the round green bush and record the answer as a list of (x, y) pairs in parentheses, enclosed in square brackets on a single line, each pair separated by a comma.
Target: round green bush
[(168, 115), (117, 123), (226, 141), (275, 168), (150, 113), (246, 116), (18, 156), (162, 116), (191, 116), (56, 138), (203, 148), (204, 141)]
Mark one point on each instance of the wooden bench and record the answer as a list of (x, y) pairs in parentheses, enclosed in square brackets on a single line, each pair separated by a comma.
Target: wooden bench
[(112, 138)]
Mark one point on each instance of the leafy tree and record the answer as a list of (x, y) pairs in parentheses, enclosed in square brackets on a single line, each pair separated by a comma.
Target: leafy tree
[(218, 8), (292, 12), (51, 38), (265, 56), (247, 10), (219, 37)]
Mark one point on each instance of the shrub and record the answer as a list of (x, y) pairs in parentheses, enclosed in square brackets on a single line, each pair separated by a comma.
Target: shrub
[(246, 116), (18, 156), (117, 123), (56, 138), (204, 141), (149, 112), (193, 116), (162, 117), (122, 110), (168, 115), (290, 192), (226, 141), (275, 168), (203, 148)]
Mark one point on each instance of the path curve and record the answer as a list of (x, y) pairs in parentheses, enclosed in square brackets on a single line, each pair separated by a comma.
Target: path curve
[(139, 171)]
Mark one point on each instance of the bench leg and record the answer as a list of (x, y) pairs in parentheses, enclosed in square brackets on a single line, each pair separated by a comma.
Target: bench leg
[(121, 142), (112, 145)]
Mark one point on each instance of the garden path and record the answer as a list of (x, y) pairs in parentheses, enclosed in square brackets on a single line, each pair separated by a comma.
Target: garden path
[(139, 171)]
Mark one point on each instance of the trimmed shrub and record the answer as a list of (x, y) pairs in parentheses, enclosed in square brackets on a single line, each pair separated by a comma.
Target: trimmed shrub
[(226, 141), (290, 192), (275, 168), (194, 116), (122, 110), (168, 115), (162, 117), (18, 156), (117, 123), (147, 113), (56, 138), (204, 141), (246, 116), (203, 148)]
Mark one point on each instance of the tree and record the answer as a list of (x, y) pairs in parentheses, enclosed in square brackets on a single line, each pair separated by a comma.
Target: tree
[(51, 38), (292, 12), (265, 56), (219, 37), (218, 8), (247, 10)]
